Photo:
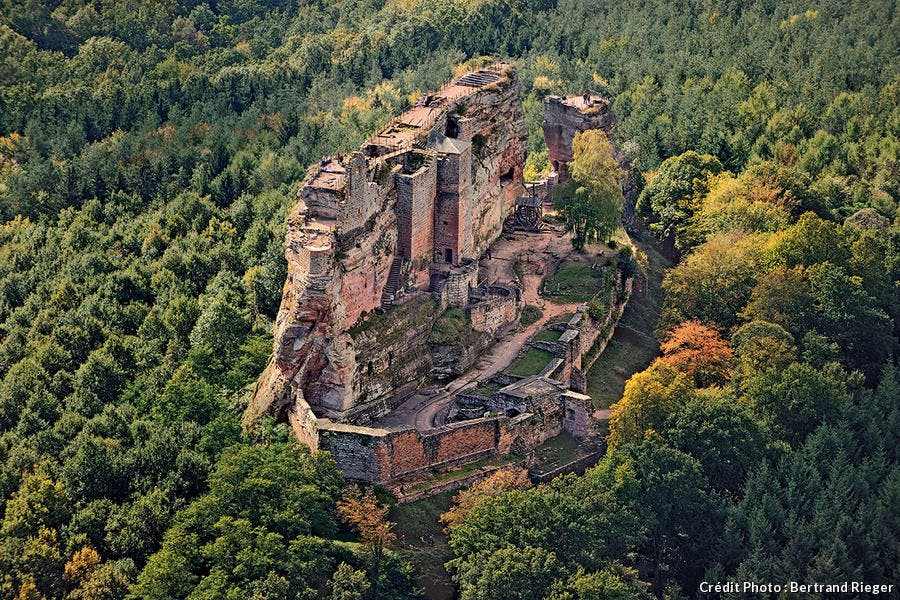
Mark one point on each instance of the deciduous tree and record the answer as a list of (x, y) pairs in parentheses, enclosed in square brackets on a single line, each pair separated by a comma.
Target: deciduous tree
[(369, 518), (499, 482), (592, 205), (699, 351), (650, 398)]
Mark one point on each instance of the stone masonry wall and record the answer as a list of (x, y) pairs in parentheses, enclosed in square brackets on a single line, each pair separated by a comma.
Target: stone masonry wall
[(415, 211), (459, 281), (392, 455), (453, 208), (495, 312)]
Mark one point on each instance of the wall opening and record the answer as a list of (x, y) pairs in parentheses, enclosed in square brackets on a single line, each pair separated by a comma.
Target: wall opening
[(448, 255), (369, 368), (452, 129), (506, 177)]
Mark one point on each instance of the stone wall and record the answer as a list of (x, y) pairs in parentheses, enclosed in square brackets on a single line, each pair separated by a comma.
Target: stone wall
[(392, 455), (578, 420), (452, 360), (585, 338), (593, 346), (497, 309), (459, 282)]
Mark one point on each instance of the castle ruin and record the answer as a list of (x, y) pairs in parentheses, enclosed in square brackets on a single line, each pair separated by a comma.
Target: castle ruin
[(380, 243)]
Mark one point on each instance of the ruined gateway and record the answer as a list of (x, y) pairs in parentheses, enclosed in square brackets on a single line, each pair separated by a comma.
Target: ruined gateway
[(380, 243)]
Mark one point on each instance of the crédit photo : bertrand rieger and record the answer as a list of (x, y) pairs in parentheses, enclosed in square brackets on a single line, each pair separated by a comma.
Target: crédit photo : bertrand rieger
[(755, 587)]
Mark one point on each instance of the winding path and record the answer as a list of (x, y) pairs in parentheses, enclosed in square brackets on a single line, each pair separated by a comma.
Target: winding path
[(537, 253)]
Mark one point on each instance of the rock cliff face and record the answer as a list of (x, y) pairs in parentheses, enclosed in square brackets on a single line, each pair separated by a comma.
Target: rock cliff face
[(498, 159), (455, 161), (564, 117)]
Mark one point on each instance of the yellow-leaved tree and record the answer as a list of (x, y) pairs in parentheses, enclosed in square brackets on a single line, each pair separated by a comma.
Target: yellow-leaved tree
[(650, 397), (592, 201)]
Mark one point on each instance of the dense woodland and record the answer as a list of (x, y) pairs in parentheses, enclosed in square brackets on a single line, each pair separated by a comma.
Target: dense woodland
[(150, 152)]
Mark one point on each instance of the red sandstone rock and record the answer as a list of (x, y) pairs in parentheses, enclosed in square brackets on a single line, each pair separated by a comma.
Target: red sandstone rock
[(357, 213)]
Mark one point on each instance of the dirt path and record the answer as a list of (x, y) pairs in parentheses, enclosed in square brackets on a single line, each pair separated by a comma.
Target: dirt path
[(536, 254)]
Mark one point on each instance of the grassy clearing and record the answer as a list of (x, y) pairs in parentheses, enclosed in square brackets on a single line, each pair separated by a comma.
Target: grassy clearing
[(564, 318), (576, 282), (418, 519), (530, 314), (621, 359), (547, 335), (531, 363), (454, 327), (633, 346), (486, 389), (556, 452)]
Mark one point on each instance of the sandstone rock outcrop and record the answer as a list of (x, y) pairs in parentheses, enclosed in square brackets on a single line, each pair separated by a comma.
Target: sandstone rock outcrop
[(380, 243), (564, 117), (420, 200)]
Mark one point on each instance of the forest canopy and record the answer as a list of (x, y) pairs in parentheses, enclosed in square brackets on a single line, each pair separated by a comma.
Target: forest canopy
[(149, 155)]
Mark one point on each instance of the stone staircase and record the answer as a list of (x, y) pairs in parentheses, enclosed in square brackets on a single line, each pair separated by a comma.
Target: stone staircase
[(389, 294), (478, 79)]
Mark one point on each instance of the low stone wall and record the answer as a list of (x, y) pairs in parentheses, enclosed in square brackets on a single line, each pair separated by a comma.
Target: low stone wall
[(393, 455), (578, 466), (499, 307), (593, 348), (584, 335), (449, 361)]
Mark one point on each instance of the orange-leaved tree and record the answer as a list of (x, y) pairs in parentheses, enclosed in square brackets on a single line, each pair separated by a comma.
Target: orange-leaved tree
[(496, 484), (369, 518), (699, 351)]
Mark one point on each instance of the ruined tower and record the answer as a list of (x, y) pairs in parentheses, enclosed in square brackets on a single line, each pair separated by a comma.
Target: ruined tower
[(566, 116)]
